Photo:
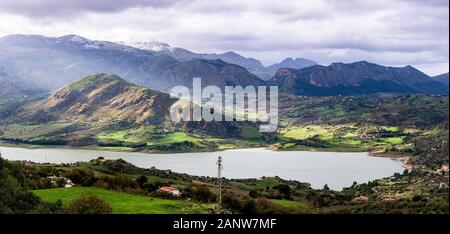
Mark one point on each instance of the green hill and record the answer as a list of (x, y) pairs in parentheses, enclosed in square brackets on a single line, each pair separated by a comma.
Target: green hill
[(101, 98)]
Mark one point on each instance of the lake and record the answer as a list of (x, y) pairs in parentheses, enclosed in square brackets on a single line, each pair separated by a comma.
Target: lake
[(336, 169)]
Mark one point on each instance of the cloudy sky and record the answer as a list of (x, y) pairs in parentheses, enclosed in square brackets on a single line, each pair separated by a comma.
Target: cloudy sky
[(388, 32)]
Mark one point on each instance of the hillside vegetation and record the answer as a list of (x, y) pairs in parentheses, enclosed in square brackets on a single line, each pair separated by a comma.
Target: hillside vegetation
[(129, 189), (100, 98), (103, 110)]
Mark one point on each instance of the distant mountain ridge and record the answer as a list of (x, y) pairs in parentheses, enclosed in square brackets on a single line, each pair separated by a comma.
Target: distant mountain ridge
[(45, 63), (297, 63), (358, 78), (443, 78), (13, 87), (51, 62), (252, 65), (212, 72)]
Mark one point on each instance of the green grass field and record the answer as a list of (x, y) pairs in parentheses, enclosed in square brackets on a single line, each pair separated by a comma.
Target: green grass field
[(304, 132), (347, 137), (124, 203), (260, 184), (393, 140), (146, 134), (141, 134), (249, 132), (296, 205), (27, 132), (178, 137)]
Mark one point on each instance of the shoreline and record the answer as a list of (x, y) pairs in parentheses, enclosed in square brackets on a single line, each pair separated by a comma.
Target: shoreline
[(404, 158), (131, 150), (116, 156), (394, 156)]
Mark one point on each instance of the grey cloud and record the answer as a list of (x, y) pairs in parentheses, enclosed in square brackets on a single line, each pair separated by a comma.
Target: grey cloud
[(67, 8), (253, 43), (430, 2), (382, 31)]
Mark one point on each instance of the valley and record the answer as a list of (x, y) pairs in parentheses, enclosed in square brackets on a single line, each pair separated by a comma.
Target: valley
[(103, 111), (111, 99)]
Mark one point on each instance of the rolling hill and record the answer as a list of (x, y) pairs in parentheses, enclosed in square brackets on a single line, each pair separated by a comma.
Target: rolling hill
[(101, 98), (105, 110)]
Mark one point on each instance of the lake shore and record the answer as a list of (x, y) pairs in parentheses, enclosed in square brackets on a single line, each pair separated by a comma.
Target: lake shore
[(404, 158), (219, 149), (336, 169)]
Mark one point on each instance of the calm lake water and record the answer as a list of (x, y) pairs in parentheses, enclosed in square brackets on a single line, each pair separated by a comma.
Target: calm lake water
[(338, 170)]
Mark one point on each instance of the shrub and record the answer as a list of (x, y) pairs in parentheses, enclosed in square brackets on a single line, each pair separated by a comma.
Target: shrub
[(89, 204), (253, 194), (82, 177), (141, 180), (203, 194)]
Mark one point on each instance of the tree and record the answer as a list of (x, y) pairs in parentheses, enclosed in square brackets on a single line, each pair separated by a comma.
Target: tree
[(60, 182), (141, 180), (249, 207), (253, 193), (284, 190), (89, 204), (15, 195), (83, 177), (151, 187), (203, 194), (188, 192)]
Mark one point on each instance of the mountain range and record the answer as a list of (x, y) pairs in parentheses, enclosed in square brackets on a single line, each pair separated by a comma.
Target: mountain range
[(357, 78), (297, 63), (11, 86), (443, 78), (35, 63), (252, 65), (51, 62)]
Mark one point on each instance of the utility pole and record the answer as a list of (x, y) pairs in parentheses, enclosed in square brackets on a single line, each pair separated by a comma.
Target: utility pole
[(219, 175)]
